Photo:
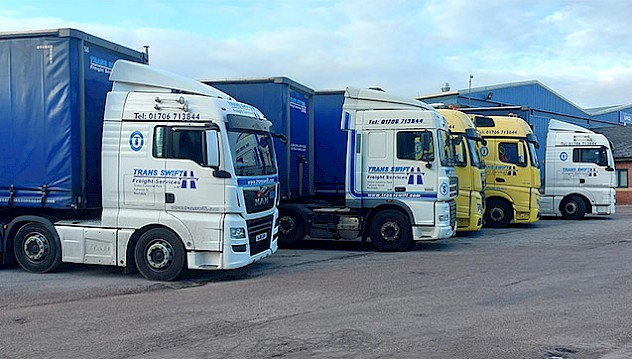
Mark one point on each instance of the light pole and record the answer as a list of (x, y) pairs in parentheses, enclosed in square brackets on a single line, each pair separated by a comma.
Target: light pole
[(469, 92)]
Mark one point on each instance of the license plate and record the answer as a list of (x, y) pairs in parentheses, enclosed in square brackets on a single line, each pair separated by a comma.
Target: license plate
[(261, 237)]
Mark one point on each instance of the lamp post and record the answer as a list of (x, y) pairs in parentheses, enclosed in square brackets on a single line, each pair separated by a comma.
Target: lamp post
[(469, 92)]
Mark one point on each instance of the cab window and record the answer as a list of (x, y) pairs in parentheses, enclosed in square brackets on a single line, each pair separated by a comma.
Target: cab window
[(595, 155), (512, 152), (188, 144), (460, 151), (416, 146)]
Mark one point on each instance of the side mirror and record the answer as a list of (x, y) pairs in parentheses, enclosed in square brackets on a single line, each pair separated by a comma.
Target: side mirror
[(212, 148), (427, 146)]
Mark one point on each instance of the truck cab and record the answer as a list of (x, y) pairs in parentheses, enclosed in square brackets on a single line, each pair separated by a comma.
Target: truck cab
[(189, 180), (470, 169), (512, 170), (579, 172), (400, 166)]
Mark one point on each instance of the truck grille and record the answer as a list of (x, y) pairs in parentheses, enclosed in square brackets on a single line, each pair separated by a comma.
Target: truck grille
[(452, 213), (259, 198), (454, 186), (259, 234)]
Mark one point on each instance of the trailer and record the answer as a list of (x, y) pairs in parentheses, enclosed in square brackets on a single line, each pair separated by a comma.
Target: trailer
[(289, 106)]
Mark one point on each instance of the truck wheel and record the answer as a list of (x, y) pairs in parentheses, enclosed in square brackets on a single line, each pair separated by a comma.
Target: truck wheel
[(498, 214), (390, 230), (159, 255), (36, 249), (291, 228), (573, 207)]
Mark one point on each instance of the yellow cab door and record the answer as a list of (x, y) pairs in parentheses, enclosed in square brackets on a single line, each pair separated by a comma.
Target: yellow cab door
[(513, 174)]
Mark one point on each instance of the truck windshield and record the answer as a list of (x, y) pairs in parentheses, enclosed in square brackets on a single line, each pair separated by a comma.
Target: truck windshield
[(253, 153), (534, 157), (473, 149), (446, 148)]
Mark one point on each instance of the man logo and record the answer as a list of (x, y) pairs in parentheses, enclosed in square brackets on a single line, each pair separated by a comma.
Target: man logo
[(262, 199)]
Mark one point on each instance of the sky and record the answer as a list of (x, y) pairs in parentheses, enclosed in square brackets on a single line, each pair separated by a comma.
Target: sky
[(581, 49)]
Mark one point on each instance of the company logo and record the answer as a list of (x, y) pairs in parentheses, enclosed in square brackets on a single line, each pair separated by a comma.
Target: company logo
[(298, 104), (136, 141), (190, 181), (563, 156), (100, 65), (443, 189), (264, 195), (484, 151), (418, 175)]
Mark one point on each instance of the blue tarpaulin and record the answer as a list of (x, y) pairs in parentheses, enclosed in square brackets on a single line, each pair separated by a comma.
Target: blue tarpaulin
[(53, 87)]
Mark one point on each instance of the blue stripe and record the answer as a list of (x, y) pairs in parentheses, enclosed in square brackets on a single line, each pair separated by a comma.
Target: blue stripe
[(257, 181)]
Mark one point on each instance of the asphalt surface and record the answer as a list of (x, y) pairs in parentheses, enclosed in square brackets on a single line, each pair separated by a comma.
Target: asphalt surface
[(553, 289)]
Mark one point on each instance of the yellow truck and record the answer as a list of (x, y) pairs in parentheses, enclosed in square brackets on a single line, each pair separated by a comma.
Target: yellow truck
[(470, 203), (512, 170)]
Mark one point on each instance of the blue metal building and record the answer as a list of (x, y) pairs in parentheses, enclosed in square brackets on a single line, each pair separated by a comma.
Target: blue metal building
[(539, 99)]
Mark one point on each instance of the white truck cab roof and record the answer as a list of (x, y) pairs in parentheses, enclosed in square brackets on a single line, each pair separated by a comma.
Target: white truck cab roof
[(132, 76)]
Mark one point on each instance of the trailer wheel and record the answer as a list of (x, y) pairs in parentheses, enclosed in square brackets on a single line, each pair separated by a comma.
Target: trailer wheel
[(159, 255), (36, 249), (498, 213), (573, 207), (390, 230), (291, 228)]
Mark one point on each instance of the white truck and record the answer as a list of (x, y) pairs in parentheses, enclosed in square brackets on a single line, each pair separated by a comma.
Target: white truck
[(400, 181), (172, 174), (579, 172)]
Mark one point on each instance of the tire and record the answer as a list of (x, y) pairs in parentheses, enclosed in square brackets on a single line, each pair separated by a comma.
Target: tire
[(498, 213), (573, 207), (37, 249), (390, 231), (291, 228), (159, 255)]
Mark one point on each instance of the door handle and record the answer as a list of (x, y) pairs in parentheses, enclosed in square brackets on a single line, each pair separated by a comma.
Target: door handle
[(498, 179), (170, 198)]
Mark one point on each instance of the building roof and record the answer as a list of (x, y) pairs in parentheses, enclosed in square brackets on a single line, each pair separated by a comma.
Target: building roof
[(532, 94), (620, 137)]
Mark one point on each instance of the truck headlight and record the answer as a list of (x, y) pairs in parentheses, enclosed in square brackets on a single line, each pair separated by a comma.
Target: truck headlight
[(444, 216), (238, 233)]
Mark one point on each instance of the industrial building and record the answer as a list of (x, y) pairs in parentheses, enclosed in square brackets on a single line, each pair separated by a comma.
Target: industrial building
[(537, 104)]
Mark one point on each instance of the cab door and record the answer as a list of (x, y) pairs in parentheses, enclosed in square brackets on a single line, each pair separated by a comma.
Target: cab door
[(194, 199), (141, 193), (513, 172), (377, 181), (415, 172)]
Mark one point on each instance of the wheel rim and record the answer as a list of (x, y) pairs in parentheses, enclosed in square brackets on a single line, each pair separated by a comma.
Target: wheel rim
[(496, 214), (570, 208), (36, 247), (159, 254), (286, 224), (390, 231)]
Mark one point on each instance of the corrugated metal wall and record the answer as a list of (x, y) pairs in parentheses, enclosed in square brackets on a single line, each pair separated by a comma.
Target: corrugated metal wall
[(539, 98)]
